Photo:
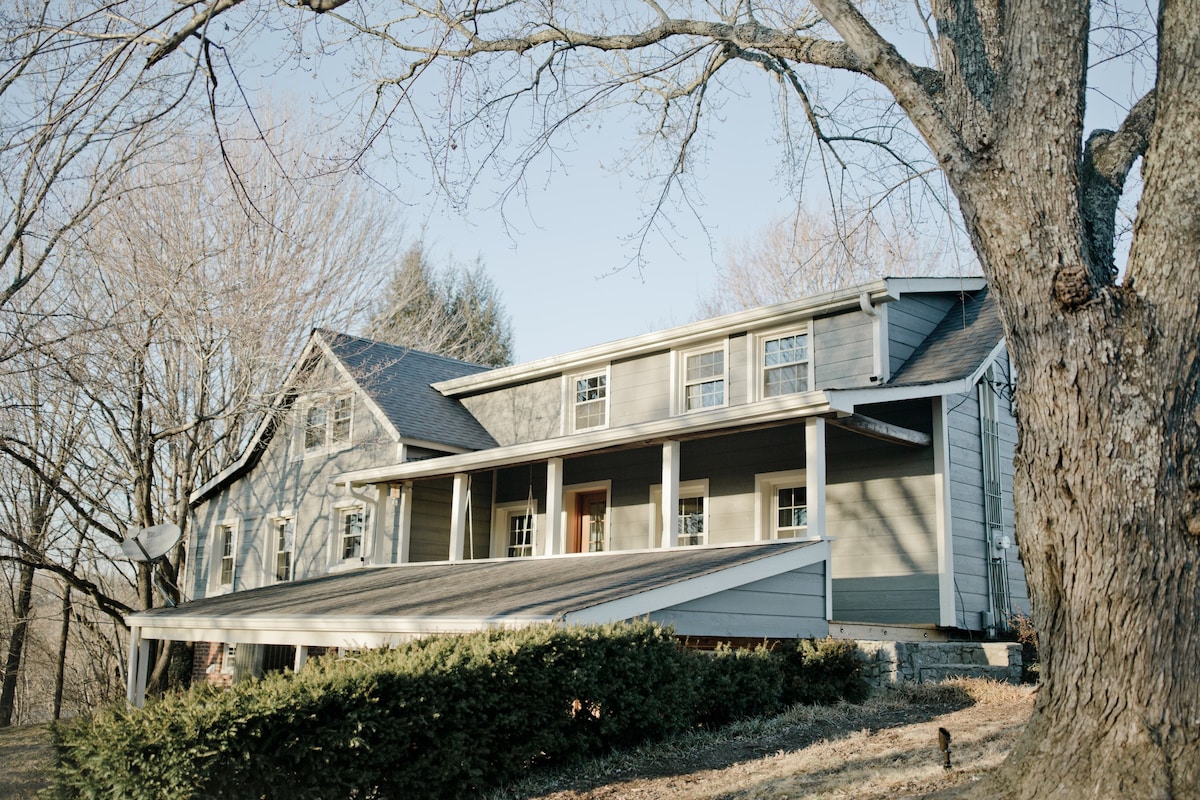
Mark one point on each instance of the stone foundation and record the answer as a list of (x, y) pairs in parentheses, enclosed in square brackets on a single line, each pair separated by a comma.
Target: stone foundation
[(886, 664)]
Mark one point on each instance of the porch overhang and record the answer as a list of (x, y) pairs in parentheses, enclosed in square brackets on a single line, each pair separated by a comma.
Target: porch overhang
[(776, 411)]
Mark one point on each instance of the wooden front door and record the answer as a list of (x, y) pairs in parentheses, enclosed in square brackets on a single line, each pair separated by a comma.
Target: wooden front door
[(588, 532)]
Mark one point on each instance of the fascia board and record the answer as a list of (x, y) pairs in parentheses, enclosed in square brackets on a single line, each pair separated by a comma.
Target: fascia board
[(685, 591), (329, 631), (681, 336), (897, 287), (793, 407)]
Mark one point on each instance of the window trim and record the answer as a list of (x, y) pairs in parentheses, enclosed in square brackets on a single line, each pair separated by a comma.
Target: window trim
[(502, 516), (758, 369), (217, 556), (328, 406), (572, 403), (688, 490), (766, 490), (340, 511), (276, 551), (680, 381)]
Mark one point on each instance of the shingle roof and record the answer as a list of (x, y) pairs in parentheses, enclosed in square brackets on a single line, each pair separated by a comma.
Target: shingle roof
[(961, 342), (530, 588), (398, 380)]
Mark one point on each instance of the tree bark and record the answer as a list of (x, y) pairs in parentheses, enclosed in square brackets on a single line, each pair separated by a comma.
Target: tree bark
[(16, 644)]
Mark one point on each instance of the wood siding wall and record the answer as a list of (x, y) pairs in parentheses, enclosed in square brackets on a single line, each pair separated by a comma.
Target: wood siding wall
[(881, 512), (843, 351), (528, 412), (784, 606)]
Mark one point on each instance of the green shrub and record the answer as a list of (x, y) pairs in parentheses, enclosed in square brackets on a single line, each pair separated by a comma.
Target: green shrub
[(822, 672), (737, 684)]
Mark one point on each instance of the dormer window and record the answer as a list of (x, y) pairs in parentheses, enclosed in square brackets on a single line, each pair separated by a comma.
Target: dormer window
[(590, 400)]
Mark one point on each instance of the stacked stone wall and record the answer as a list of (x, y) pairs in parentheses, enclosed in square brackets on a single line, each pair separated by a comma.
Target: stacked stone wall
[(887, 664)]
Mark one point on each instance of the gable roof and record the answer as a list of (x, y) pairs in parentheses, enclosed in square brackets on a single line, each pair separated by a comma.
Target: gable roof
[(398, 379), (374, 604), (955, 349)]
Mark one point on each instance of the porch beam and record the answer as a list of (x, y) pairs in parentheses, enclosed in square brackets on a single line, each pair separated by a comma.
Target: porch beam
[(878, 429), (814, 474), (459, 499), (670, 493), (555, 539)]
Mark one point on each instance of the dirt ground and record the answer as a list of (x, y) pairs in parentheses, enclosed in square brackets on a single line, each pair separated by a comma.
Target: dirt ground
[(886, 748)]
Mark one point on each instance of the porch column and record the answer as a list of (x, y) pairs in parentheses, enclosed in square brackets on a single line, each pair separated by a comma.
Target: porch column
[(555, 541), (458, 517), (404, 499), (139, 666), (301, 657), (814, 471), (380, 551), (670, 494)]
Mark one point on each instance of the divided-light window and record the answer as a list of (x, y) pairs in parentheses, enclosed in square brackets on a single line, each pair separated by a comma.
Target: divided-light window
[(520, 536), (284, 535), (591, 401), (225, 534), (353, 524), (791, 511), (785, 365), (327, 424), (704, 379)]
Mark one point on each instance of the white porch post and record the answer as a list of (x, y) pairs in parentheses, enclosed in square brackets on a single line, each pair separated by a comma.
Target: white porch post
[(670, 494), (381, 542), (139, 666), (555, 540), (301, 657), (404, 528), (945, 539), (814, 471), (458, 517)]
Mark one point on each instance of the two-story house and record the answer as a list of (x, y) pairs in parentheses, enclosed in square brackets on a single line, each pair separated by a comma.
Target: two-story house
[(842, 457)]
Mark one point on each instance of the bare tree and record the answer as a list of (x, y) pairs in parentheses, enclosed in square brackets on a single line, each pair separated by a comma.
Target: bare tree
[(456, 312), (809, 253), (1108, 480)]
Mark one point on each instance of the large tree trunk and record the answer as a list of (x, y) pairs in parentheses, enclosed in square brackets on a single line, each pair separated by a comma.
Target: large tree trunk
[(16, 644), (1108, 475)]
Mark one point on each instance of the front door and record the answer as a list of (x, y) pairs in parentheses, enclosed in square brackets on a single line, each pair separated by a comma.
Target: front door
[(588, 533)]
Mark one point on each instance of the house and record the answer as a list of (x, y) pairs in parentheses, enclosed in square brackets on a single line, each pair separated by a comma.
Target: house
[(845, 457)]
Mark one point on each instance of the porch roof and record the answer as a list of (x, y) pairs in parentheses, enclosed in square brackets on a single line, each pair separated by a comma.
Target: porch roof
[(374, 606)]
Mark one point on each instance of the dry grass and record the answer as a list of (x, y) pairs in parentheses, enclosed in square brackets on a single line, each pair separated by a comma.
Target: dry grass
[(884, 748), (25, 759)]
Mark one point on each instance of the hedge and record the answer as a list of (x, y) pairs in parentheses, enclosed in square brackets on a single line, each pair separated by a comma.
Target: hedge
[(440, 717)]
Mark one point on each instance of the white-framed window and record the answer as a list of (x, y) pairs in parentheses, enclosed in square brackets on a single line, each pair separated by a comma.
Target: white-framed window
[(702, 378), (328, 423), (352, 530), (224, 556), (283, 544), (691, 521), (782, 362), (589, 400), (520, 535), (782, 502)]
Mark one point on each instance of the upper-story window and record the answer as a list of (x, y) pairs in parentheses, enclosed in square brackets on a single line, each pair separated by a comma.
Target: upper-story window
[(784, 364), (283, 538), (590, 400), (703, 378), (327, 423), (224, 550)]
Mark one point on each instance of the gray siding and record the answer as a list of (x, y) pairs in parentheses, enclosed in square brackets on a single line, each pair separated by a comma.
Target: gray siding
[(910, 320), (640, 389), (783, 606), (881, 511), (967, 505), (843, 351), (515, 414), (289, 482)]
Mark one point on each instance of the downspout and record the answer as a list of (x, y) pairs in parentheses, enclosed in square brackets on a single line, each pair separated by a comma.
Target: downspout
[(877, 334)]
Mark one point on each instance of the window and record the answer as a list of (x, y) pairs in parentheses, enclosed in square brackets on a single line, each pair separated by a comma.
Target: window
[(791, 511), (520, 535), (314, 427), (225, 551), (784, 362), (590, 401), (703, 379), (327, 424), (782, 504), (691, 521), (352, 523), (283, 536), (339, 425)]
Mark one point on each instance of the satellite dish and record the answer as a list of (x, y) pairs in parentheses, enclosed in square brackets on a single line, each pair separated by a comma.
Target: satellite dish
[(147, 544)]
